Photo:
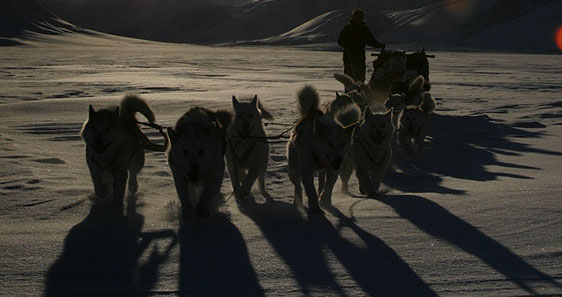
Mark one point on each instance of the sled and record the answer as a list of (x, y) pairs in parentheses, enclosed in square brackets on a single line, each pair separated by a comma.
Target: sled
[(416, 63)]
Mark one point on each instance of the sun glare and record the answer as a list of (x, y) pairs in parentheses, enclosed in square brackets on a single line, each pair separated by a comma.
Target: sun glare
[(459, 9), (559, 37)]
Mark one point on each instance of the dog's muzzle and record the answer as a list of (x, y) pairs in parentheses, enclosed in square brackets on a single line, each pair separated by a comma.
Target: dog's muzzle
[(246, 130), (99, 148)]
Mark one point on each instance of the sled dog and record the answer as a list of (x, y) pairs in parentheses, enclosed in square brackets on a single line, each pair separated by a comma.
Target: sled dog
[(371, 150), (360, 93), (350, 115), (115, 147), (396, 102), (413, 124), (340, 103), (247, 155), (196, 158), (318, 144)]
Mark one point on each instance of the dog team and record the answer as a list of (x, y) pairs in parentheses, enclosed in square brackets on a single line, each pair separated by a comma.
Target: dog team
[(357, 131)]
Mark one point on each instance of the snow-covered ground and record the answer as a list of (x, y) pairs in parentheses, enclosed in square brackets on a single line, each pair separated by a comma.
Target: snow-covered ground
[(479, 215)]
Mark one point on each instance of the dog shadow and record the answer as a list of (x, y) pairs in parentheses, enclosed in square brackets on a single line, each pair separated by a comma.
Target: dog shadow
[(101, 253), (214, 260), (304, 243), (462, 147), (438, 222)]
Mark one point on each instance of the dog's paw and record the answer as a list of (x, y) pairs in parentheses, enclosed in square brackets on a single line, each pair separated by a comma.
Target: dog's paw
[(361, 190), (241, 194), (372, 194)]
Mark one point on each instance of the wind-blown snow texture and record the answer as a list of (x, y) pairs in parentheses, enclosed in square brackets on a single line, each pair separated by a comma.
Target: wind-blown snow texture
[(478, 215)]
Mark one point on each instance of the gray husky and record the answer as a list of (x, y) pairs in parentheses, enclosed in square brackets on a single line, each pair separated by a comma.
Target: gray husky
[(196, 158), (413, 124), (414, 118), (371, 150), (318, 144), (247, 156), (115, 147)]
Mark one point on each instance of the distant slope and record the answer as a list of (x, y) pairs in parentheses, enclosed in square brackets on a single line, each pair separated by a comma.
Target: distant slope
[(517, 25), (324, 29), (20, 16)]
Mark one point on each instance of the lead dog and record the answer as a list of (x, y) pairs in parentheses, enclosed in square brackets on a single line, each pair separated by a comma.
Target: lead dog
[(248, 154), (371, 150), (115, 147), (413, 124), (196, 158)]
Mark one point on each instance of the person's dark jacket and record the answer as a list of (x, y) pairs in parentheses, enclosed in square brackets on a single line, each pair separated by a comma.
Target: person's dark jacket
[(353, 39), (355, 36)]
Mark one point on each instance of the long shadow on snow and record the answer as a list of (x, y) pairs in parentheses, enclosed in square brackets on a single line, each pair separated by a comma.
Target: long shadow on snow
[(100, 256), (214, 260), (302, 244), (438, 222), (462, 147)]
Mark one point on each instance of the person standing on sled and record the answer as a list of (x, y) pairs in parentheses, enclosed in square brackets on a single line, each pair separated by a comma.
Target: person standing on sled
[(353, 38)]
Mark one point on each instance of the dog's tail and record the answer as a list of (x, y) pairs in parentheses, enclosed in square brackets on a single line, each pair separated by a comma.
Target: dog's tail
[(348, 115), (416, 86), (428, 103), (308, 101), (347, 81), (225, 118), (264, 112), (131, 104)]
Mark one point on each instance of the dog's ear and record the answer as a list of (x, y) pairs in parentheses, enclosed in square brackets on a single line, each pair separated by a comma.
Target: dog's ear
[(235, 101), (357, 98), (91, 112), (337, 94), (255, 101), (172, 135)]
